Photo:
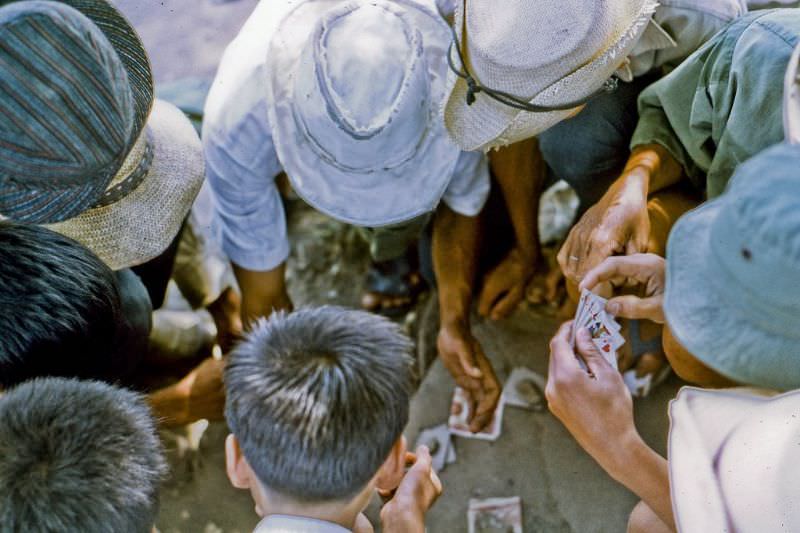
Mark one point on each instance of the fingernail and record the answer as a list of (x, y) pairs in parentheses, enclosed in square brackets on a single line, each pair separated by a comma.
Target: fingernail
[(613, 308)]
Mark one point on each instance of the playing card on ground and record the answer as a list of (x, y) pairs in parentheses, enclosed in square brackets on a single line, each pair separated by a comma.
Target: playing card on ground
[(525, 388), (439, 443), (458, 423), (495, 515)]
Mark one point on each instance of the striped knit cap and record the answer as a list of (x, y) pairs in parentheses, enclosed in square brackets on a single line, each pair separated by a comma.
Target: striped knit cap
[(66, 112)]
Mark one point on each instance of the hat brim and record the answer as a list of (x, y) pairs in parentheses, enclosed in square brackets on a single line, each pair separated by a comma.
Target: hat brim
[(708, 322), (488, 123), (700, 421), (383, 196), (141, 225)]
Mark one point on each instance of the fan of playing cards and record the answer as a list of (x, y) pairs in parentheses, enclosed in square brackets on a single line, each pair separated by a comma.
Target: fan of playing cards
[(591, 314)]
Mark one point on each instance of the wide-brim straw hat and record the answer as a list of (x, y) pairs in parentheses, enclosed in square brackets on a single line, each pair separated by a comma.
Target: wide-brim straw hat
[(149, 198), (548, 54), (733, 460), (354, 94), (732, 298)]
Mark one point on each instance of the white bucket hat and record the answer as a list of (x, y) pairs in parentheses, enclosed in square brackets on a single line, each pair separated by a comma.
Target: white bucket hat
[(146, 202), (355, 90), (734, 461), (732, 297), (549, 56)]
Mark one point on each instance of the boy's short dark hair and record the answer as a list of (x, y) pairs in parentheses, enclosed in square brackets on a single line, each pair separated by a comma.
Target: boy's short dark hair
[(59, 307), (77, 456), (317, 398)]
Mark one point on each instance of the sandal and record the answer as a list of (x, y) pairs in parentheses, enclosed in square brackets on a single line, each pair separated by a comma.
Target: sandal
[(641, 387), (392, 287)]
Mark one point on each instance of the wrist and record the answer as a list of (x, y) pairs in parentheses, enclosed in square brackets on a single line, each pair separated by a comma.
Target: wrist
[(623, 460), (454, 307), (400, 519)]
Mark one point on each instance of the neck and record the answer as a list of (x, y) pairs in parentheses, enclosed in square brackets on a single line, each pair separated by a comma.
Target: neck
[(341, 512)]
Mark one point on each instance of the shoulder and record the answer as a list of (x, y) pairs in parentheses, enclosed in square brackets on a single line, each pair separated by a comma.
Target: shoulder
[(765, 37), (239, 87), (722, 10)]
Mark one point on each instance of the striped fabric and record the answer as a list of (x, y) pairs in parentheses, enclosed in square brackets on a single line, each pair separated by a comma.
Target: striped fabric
[(129, 48), (66, 112)]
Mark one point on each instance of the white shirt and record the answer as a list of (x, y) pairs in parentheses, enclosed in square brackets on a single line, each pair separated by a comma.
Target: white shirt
[(296, 524), (241, 162)]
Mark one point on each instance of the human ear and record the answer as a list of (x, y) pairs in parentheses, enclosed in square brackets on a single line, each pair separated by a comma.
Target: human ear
[(236, 465), (394, 468)]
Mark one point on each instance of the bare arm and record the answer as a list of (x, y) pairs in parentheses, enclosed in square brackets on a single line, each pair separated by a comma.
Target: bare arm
[(262, 292), (455, 245), (519, 171), (597, 409)]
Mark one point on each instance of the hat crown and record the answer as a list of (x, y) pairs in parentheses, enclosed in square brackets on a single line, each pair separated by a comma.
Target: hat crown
[(68, 111), (362, 96), (756, 237), (522, 47)]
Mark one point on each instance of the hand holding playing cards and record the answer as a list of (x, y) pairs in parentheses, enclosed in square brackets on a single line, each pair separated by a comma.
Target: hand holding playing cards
[(618, 223), (594, 405), (463, 357), (420, 488), (642, 270)]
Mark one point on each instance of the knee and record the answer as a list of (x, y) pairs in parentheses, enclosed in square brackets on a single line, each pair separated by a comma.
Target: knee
[(638, 520), (644, 520), (688, 367)]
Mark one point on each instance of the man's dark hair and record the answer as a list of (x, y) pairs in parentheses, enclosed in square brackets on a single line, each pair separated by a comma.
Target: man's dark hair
[(317, 398), (77, 456), (59, 307)]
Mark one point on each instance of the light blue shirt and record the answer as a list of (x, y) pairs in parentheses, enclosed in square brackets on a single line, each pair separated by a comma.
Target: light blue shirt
[(296, 524), (241, 162)]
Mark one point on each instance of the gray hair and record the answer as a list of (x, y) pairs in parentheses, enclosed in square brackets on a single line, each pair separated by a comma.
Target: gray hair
[(77, 456), (317, 398)]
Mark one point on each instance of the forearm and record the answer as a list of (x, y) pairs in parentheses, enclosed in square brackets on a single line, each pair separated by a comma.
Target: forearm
[(170, 406), (262, 292), (520, 173), (653, 167), (645, 473), (455, 251)]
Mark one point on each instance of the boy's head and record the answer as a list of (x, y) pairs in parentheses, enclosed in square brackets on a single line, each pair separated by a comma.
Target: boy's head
[(59, 307), (77, 456), (317, 401)]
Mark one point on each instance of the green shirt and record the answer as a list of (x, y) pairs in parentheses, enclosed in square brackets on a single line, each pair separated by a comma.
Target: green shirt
[(723, 104)]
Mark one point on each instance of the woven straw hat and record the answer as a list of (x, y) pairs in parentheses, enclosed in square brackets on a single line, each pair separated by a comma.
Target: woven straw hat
[(549, 54), (68, 110), (734, 462), (145, 204), (359, 134)]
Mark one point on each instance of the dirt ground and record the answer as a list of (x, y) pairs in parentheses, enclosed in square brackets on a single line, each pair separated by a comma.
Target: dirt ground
[(560, 486)]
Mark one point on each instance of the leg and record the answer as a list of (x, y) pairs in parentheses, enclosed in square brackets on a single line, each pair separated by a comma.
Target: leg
[(393, 281), (644, 520)]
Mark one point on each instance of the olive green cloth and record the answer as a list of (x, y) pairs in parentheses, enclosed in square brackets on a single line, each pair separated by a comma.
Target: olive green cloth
[(723, 104)]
